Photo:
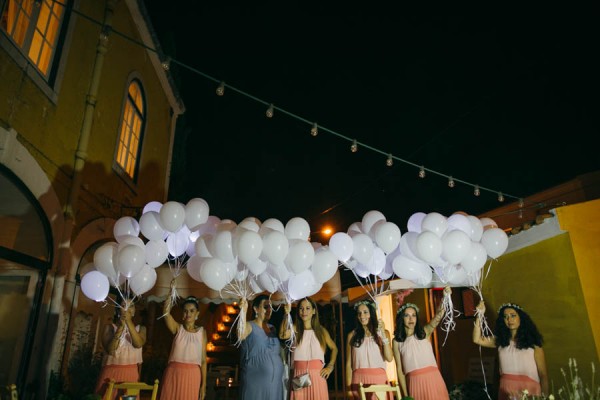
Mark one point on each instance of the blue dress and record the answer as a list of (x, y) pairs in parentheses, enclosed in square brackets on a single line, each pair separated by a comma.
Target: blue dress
[(261, 366)]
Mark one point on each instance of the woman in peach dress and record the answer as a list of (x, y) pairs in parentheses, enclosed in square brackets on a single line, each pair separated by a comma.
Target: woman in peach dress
[(308, 354)]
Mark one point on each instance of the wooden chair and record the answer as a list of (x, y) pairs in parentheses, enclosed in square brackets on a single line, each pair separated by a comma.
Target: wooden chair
[(381, 391), (131, 389)]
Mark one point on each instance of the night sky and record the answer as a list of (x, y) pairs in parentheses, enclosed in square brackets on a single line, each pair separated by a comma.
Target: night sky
[(509, 103)]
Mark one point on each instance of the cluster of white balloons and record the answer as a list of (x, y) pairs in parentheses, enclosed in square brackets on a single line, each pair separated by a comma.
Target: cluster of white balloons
[(369, 246), (455, 247), (170, 230), (267, 256)]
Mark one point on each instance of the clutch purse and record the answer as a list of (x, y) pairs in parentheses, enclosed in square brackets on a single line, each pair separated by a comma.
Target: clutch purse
[(301, 381)]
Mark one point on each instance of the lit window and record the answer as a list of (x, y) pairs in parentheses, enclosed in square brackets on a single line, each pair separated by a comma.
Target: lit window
[(34, 25), (132, 125)]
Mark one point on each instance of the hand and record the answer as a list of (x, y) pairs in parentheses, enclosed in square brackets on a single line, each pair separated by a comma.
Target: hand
[(287, 308), (481, 307), (325, 372), (380, 327), (447, 291)]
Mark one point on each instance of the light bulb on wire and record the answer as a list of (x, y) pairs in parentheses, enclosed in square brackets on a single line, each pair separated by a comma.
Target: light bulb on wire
[(270, 111), (220, 89), (422, 173), (390, 160), (314, 131), (166, 63), (500, 197), (451, 183), (476, 191), (521, 203), (354, 147)]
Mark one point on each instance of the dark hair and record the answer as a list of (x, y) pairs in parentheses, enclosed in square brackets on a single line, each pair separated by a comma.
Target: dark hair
[(400, 331), (191, 300), (359, 331), (314, 323), (527, 335), (258, 299)]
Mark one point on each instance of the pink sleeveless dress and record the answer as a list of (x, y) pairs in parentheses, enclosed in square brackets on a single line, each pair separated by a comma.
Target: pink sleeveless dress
[(368, 366), (123, 366), (182, 378), (308, 357), (518, 371), (423, 378)]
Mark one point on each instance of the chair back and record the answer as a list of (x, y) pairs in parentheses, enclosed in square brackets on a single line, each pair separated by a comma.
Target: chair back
[(131, 389), (381, 391)]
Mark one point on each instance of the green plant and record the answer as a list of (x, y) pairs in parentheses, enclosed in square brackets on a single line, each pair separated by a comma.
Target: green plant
[(469, 390), (574, 389)]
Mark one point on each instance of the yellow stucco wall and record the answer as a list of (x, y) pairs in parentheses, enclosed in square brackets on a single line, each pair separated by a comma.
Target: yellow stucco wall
[(581, 220), (544, 279)]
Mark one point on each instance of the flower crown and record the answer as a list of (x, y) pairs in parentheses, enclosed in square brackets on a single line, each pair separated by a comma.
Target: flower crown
[(367, 303), (407, 305), (510, 305), (191, 299)]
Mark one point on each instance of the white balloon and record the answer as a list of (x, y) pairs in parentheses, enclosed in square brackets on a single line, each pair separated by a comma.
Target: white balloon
[(355, 228), (214, 273), (488, 223), (415, 221), (156, 253), (133, 240), (456, 275), (193, 267), (274, 224), (257, 266), (429, 246), (203, 244), (152, 206), (210, 226), (425, 278), (300, 256), (105, 260), (408, 246), (495, 242), (130, 259), (341, 245), (223, 246), (151, 227), (95, 285), (268, 282), (324, 266), (476, 228), (297, 228), (435, 222), (387, 236), (371, 218), (196, 213), (409, 269), (377, 262), (279, 272), (126, 226), (250, 224), (226, 225), (459, 222), (475, 258), (249, 246), (361, 270), (275, 247), (456, 245), (143, 280), (177, 242), (363, 248), (172, 216), (300, 285)]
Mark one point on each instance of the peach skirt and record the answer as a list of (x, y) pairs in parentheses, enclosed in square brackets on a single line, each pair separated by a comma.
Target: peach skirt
[(426, 384), (118, 373), (181, 381), (512, 386), (318, 388), (369, 376)]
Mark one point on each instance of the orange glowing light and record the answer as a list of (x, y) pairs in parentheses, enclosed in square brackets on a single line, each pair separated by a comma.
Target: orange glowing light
[(210, 346)]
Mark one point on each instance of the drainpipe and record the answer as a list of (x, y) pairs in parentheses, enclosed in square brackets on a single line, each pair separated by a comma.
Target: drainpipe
[(63, 290)]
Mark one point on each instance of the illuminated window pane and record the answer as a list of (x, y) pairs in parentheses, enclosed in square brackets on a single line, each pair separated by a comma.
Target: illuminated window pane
[(127, 154)]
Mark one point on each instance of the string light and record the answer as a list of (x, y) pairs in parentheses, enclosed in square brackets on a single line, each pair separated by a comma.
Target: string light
[(476, 191), (106, 31), (500, 197), (220, 89), (390, 161), (521, 203), (451, 183), (166, 64), (314, 131)]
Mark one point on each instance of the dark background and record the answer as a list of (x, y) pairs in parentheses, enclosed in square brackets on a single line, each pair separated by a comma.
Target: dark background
[(508, 101)]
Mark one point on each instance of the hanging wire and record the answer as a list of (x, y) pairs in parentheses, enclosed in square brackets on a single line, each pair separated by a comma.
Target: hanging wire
[(355, 143)]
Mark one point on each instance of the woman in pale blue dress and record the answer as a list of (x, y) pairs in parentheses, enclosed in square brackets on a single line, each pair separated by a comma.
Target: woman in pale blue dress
[(260, 361)]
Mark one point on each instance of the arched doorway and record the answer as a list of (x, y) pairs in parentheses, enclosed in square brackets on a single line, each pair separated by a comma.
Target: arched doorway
[(25, 258)]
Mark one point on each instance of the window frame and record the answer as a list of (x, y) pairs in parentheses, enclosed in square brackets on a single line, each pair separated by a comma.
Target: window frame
[(118, 168)]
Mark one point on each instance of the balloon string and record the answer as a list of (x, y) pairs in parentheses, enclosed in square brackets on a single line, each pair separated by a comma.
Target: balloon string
[(448, 323)]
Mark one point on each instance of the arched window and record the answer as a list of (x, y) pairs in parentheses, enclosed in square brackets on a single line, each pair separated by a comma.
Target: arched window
[(131, 131)]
